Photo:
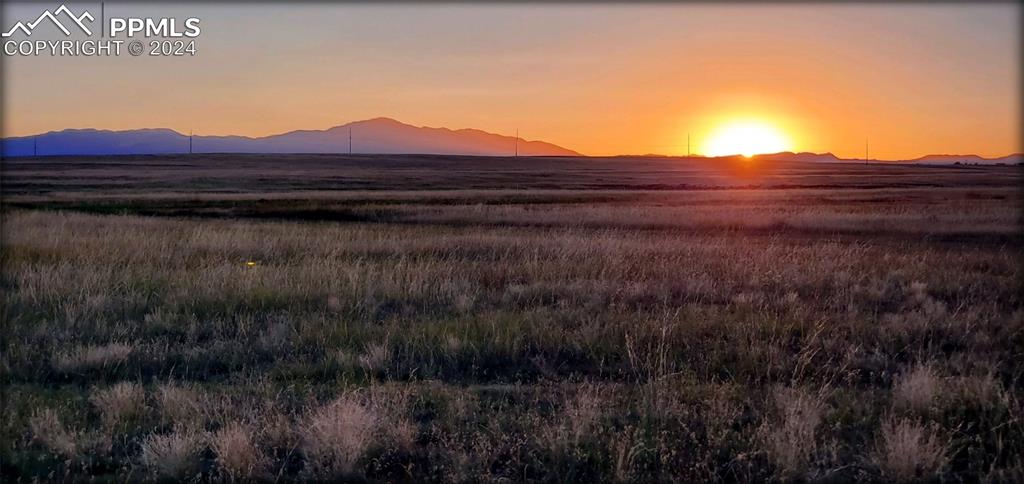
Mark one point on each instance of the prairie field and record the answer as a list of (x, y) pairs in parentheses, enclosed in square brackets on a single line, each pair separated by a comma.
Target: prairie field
[(459, 319)]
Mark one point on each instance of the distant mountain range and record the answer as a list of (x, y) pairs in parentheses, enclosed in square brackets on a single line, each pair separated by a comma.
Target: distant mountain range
[(1013, 159), (970, 159), (379, 135), (929, 159)]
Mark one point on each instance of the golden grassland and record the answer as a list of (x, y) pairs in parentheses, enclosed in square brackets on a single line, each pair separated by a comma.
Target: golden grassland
[(529, 335)]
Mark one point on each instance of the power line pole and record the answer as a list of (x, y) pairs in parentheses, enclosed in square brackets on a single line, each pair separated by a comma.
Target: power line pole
[(35, 146), (516, 149), (350, 140), (687, 145), (190, 141), (866, 151)]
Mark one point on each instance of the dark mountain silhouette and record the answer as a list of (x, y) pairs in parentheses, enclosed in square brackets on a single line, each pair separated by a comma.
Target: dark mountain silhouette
[(969, 159), (929, 159), (379, 135), (802, 156)]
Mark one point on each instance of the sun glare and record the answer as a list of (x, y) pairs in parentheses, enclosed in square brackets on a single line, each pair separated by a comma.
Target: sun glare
[(747, 138)]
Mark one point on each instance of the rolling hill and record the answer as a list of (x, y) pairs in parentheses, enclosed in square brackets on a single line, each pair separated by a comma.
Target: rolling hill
[(379, 135)]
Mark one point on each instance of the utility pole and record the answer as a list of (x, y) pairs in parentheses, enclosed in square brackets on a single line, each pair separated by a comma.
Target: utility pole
[(190, 141), (687, 145), (35, 146), (516, 145), (866, 151), (350, 140)]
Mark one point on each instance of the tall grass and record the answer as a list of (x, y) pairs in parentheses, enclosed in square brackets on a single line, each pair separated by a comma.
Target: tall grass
[(836, 338)]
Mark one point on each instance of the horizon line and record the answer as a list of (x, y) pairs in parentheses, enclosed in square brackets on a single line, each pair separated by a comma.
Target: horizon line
[(516, 137), (681, 157)]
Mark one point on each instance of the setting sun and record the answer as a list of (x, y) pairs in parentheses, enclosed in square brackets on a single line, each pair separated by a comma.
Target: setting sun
[(746, 138)]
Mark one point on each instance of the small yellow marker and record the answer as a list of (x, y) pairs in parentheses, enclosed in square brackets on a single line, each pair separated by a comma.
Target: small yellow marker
[(250, 263)]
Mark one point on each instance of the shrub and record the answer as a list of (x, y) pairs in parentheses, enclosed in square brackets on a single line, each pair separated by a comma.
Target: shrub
[(119, 403), (916, 388), (237, 454), (791, 441), (171, 456), (909, 451), (337, 435)]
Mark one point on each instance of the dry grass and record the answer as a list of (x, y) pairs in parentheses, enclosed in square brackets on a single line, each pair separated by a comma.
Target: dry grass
[(337, 434), (982, 391), (237, 453), (119, 404), (376, 357), (917, 388), (90, 356), (48, 429), (283, 177), (909, 450), (171, 456), (792, 440), (278, 431), (518, 335), (578, 420), (179, 405)]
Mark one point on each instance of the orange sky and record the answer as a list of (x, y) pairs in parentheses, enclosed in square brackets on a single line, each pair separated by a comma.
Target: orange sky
[(601, 79)]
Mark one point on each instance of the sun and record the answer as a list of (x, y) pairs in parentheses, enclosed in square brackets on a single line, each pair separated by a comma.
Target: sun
[(747, 138)]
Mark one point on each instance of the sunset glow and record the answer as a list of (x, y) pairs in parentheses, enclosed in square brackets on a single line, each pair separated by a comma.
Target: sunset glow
[(590, 78), (746, 138)]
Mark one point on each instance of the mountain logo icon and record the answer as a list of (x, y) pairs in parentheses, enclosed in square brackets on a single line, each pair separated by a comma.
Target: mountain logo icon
[(28, 27)]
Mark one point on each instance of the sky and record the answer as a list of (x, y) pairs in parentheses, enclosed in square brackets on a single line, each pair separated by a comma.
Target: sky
[(602, 79)]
